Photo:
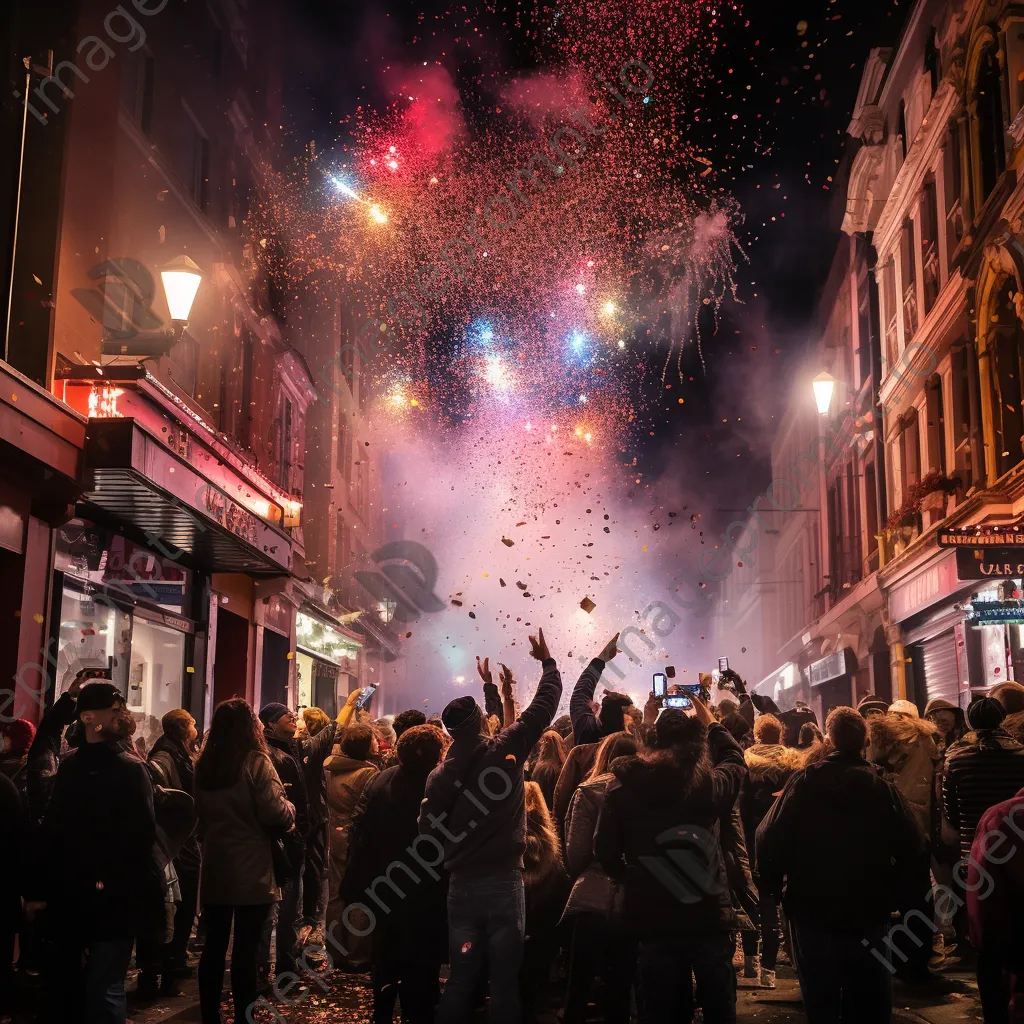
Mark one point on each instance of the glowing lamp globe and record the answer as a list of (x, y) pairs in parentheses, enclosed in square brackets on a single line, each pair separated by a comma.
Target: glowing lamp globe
[(181, 279), (824, 384)]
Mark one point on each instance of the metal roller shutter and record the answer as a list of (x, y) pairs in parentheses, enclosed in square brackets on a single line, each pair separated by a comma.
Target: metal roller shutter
[(938, 658)]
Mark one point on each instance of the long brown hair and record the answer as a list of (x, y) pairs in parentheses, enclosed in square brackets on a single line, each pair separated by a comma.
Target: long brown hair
[(551, 750), (235, 733), (617, 744)]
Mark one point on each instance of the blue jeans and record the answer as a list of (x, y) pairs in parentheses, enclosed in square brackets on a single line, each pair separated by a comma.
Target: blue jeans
[(486, 927), (841, 980), (286, 915), (666, 967), (103, 981)]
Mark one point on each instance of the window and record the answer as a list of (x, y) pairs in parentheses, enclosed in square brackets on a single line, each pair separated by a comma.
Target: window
[(953, 183), (863, 329), (871, 508), (1014, 42), (1004, 345), (890, 312), (929, 244), (963, 377), (286, 444), (200, 170), (910, 453), (901, 128), (931, 62), (137, 88), (936, 425), (989, 114), (909, 281)]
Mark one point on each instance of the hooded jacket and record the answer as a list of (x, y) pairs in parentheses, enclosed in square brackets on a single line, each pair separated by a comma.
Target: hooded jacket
[(659, 834), (578, 763), (982, 769), (904, 748), (995, 884), (486, 835), (769, 766), (593, 889), (843, 842)]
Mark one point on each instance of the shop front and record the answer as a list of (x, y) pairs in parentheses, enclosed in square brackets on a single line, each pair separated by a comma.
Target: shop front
[(160, 575), (125, 609), (42, 464), (831, 680), (326, 658)]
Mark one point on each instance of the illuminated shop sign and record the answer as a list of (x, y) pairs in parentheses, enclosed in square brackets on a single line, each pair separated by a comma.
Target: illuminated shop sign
[(320, 638)]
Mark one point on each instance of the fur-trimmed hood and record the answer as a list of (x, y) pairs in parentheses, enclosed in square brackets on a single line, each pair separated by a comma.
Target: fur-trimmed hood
[(656, 780), (772, 761), (890, 732), (1014, 725), (542, 857)]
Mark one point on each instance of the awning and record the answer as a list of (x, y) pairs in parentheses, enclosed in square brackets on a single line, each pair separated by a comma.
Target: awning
[(386, 639), (140, 481)]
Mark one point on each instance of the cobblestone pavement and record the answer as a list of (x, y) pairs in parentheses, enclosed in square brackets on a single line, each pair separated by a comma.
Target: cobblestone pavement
[(348, 999)]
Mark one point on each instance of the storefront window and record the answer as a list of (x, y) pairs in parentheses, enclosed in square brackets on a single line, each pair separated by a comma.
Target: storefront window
[(94, 633), (156, 676)]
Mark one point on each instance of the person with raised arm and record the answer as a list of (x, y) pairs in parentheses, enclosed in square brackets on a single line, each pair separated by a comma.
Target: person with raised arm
[(474, 809)]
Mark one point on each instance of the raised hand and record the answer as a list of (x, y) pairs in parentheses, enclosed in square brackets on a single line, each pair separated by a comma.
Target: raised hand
[(506, 681), (651, 709), (484, 670), (610, 650), (539, 647)]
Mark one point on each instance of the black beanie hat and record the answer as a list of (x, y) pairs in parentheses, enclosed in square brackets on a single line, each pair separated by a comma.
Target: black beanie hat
[(985, 713), (461, 713), (270, 713)]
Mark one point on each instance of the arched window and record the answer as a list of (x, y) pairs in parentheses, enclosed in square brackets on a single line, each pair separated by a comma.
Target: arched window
[(989, 116), (1004, 346)]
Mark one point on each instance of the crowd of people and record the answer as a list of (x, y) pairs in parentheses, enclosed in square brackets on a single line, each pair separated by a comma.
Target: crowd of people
[(625, 862)]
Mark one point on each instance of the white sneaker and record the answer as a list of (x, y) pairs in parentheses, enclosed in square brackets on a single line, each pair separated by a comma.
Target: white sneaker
[(751, 966), (767, 978)]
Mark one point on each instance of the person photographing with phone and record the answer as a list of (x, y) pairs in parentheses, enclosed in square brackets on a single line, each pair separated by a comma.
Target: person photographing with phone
[(474, 807)]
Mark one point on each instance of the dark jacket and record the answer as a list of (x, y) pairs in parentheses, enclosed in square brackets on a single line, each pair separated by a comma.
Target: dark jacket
[(661, 837), (981, 770), (236, 823), (793, 720), (578, 763), (769, 766), (995, 884), (383, 830), (491, 841), (94, 853), (293, 778), (586, 727), (311, 752), (174, 768), (12, 834), (492, 701), (844, 842), (44, 755)]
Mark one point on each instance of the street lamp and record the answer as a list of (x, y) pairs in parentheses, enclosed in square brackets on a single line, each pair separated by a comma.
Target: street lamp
[(824, 384), (181, 278), (386, 610)]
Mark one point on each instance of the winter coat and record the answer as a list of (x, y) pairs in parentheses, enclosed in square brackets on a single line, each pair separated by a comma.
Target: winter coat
[(44, 755), (494, 842), (175, 769), (311, 752), (659, 834), (93, 854), (985, 768), (383, 830), (545, 882), (593, 889), (586, 727), (904, 748), (844, 842), (769, 766), (346, 780), (289, 771), (737, 868), (995, 884), (236, 824), (578, 763)]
